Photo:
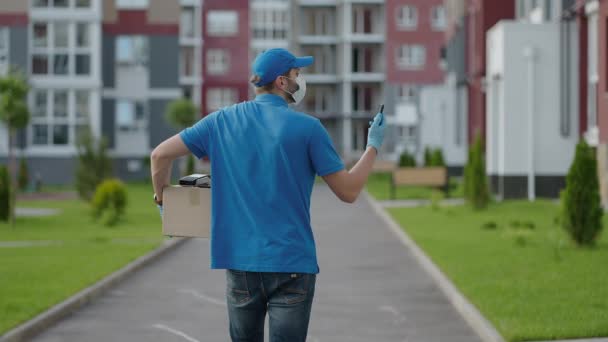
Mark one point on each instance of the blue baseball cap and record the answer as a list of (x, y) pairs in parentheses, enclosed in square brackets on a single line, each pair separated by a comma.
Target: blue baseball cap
[(272, 63)]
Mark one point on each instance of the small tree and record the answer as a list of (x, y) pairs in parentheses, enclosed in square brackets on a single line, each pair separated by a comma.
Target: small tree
[(407, 160), (476, 183), (15, 115), (93, 167), (5, 193), (427, 157), (109, 201), (437, 158), (581, 208), (24, 175), (181, 113)]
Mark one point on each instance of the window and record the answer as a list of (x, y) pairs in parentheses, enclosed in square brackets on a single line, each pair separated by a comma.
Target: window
[(222, 23), (41, 3), (61, 3), (362, 20), (40, 35), (83, 3), (132, 50), (318, 21), (217, 61), (53, 51), (269, 23), (407, 17), (82, 103), (362, 98), (411, 56), (438, 18), (131, 4), (52, 122), (187, 61), (130, 116), (220, 97), (82, 35), (3, 51), (407, 93), (187, 22)]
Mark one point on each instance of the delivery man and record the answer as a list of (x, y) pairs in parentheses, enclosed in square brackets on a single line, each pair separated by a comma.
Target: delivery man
[(264, 157)]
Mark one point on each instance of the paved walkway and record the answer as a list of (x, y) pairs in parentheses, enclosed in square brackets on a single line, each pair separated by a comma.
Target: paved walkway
[(370, 289)]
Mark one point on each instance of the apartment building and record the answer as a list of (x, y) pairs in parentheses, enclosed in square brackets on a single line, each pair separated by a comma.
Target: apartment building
[(107, 66)]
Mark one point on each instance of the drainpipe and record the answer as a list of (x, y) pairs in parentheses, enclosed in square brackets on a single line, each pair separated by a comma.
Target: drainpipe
[(529, 55)]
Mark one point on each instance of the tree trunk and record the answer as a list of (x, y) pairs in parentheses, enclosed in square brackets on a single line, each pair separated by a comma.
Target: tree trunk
[(12, 174)]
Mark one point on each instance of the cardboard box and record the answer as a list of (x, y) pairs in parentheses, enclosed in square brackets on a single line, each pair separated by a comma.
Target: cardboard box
[(186, 211)]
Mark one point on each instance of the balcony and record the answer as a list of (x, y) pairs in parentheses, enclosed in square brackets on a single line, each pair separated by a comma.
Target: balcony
[(318, 3), (321, 78), (318, 40)]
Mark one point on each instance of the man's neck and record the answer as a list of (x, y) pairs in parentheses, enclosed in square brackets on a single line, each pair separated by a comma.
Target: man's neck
[(278, 93)]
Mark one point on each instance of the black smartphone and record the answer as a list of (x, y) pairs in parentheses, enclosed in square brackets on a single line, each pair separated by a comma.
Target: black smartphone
[(381, 110)]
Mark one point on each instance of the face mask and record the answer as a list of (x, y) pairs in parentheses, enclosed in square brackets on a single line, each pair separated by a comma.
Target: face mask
[(298, 95)]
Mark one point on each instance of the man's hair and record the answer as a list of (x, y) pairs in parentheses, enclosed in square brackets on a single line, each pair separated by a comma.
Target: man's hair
[(266, 87)]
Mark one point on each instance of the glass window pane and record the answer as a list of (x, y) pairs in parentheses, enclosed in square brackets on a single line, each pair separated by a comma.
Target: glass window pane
[(3, 38), (60, 64), (124, 49), (41, 3), (60, 3), (81, 130), (40, 103), (40, 35), (83, 64), (40, 134), (82, 103), (139, 111), (125, 116), (83, 3), (61, 35), (60, 104), (40, 64), (60, 135), (82, 35)]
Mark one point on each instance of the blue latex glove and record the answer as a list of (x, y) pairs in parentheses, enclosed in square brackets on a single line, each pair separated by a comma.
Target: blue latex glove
[(160, 210), (375, 134)]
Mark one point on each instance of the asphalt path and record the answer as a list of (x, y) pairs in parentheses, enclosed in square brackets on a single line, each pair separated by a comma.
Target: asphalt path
[(370, 288)]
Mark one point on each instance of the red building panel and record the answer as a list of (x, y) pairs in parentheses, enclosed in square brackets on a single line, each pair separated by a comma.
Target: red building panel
[(482, 15), (602, 86), (13, 19), (136, 22), (424, 34), (237, 47)]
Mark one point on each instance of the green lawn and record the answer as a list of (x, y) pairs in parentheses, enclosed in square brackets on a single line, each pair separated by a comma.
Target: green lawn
[(517, 267), (35, 278), (378, 185)]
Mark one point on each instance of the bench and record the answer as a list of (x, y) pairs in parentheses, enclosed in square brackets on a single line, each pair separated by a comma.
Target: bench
[(420, 176)]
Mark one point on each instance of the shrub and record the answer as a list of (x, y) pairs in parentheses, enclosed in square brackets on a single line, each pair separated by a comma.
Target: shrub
[(24, 176), (407, 160), (5, 193), (476, 183), (109, 201), (93, 167), (437, 158), (428, 157), (581, 210)]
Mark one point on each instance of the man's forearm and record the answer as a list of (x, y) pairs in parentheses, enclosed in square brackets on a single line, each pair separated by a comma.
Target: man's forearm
[(360, 172), (160, 169)]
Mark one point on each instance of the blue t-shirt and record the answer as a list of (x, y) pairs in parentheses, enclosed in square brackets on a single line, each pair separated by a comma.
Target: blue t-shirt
[(264, 157)]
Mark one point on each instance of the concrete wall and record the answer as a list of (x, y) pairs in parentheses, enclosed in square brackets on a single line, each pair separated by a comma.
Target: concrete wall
[(508, 96), (438, 123)]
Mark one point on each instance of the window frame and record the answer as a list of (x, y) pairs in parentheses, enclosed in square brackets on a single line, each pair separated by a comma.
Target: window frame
[(221, 28), (407, 21)]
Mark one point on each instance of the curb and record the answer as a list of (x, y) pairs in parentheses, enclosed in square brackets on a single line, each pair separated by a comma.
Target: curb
[(51, 316), (468, 311)]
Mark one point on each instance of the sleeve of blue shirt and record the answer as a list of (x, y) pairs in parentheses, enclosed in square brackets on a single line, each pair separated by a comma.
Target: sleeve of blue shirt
[(325, 159), (197, 137)]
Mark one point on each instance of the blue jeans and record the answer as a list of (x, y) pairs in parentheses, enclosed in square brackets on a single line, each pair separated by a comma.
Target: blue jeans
[(286, 296)]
